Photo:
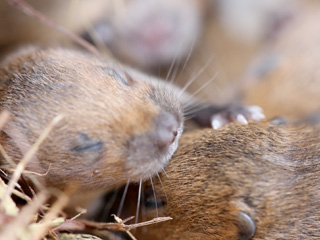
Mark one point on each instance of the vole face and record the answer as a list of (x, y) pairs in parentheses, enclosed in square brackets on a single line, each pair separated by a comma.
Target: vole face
[(150, 33), (113, 127)]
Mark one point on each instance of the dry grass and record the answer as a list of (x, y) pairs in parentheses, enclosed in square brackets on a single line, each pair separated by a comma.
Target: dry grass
[(37, 220)]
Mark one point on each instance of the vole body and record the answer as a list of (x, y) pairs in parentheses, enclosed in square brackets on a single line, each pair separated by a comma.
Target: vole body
[(259, 179), (118, 124)]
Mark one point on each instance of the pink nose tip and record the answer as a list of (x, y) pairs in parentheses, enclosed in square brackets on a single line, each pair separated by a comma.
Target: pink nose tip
[(166, 129)]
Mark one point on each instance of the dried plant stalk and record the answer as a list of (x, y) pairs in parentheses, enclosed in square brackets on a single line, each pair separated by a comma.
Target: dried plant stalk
[(22, 164), (30, 11)]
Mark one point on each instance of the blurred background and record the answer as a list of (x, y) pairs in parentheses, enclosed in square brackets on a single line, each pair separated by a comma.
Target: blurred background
[(262, 52)]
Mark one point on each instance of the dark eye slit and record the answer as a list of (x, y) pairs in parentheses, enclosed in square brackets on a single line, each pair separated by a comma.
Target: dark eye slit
[(86, 144), (116, 75)]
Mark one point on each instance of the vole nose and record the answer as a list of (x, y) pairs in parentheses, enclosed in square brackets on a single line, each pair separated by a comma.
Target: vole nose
[(166, 129)]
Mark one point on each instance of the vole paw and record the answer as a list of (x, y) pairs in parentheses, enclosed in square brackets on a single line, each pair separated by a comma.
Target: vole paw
[(241, 114)]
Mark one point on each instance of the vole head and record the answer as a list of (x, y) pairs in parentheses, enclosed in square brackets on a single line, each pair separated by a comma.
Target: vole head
[(150, 33), (114, 127)]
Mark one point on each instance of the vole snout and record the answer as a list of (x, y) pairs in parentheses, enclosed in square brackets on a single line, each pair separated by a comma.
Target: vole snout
[(166, 130), (152, 148)]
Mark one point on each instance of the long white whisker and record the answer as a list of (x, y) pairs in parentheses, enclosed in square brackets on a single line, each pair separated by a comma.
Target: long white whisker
[(188, 57), (171, 67), (188, 118), (190, 103), (165, 194), (155, 197), (194, 105), (164, 172), (143, 208), (139, 199), (196, 108), (123, 198), (195, 77), (203, 86), (107, 207), (176, 68), (174, 61)]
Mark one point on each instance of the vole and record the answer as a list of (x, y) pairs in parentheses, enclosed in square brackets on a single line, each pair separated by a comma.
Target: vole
[(150, 34), (114, 128), (145, 33), (118, 125), (285, 78), (256, 181)]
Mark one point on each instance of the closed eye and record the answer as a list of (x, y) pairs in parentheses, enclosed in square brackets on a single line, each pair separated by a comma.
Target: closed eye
[(124, 78), (84, 144)]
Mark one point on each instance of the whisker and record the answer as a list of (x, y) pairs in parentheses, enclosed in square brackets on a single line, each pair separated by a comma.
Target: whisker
[(165, 194), (187, 58), (173, 63), (204, 85), (193, 105), (164, 172), (170, 69), (194, 77), (143, 208), (139, 199), (188, 118), (107, 207), (196, 108), (154, 195), (176, 68), (123, 198)]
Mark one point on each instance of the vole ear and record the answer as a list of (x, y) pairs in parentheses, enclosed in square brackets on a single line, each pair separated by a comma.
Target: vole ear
[(247, 228)]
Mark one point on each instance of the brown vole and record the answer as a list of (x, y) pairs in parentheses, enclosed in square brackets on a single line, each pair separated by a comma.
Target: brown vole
[(115, 128), (118, 124), (150, 34), (260, 179), (145, 33)]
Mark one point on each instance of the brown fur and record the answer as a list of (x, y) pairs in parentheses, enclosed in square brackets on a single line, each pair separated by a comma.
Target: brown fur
[(111, 123), (266, 171)]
